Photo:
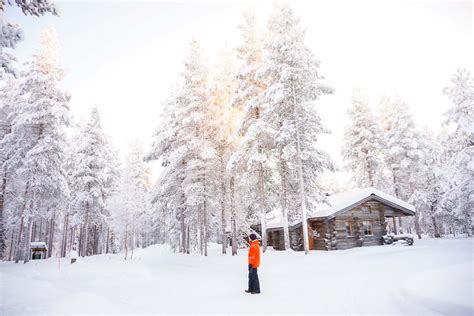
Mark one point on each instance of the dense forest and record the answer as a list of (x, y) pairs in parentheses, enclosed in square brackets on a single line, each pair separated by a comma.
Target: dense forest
[(235, 142)]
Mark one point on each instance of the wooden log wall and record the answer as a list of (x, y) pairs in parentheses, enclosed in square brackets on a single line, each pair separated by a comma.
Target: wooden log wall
[(296, 238), (330, 233), (371, 211), (276, 239)]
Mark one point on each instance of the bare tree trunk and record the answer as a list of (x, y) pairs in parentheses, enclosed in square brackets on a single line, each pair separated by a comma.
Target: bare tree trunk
[(95, 241), (301, 181), (126, 244), (12, 246), (200, 230), (133, 244), (284, 207), (261, 196), (223, 221), (417, 225), (435, 226), (302, 194), (51, 236), (108, 239), (85, 243), (33, 231), (187, 239), (3, 236), (263, 211), (26, 249), (233, 217), (182, 245), (40, 230), (64, 238), (81, 240), (205, 229), (72, 239), (19, 245)]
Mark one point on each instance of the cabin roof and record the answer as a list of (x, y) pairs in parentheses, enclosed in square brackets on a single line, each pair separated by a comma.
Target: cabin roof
[(38, 244), (344, 201), (341, 202)]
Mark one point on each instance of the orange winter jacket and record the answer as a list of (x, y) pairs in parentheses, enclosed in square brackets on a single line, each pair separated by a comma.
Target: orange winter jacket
[(254, 254)]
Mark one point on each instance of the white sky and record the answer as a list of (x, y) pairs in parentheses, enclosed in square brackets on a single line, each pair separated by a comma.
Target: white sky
[(124, 56)]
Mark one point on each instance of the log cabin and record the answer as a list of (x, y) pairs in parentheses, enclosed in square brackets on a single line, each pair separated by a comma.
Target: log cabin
[(350, 219)]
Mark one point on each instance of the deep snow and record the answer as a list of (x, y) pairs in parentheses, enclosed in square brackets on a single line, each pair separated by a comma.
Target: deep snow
[(431, 277)]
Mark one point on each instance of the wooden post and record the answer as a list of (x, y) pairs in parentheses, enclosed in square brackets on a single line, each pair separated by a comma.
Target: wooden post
[(400, 223), (394, 225)]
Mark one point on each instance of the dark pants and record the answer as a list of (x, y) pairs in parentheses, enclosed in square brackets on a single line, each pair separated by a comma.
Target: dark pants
[(254, 284)]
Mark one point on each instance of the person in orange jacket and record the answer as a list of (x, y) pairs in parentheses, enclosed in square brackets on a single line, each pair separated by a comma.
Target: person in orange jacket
[(254, 263)]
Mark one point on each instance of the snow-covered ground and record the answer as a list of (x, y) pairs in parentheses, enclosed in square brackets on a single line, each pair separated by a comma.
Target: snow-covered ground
[(431, 277)]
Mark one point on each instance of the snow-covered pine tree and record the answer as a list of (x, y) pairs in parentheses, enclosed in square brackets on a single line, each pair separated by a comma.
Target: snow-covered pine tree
[(224, 120), (402, 148), (460, 148), (198, 151), (402, 151), (252, 157), (362, 145), (167, 196), (38, 134), (187, 154), (11, 34), (427, 192), (92, 174), (293, 84), (130, 202), (8, 93)]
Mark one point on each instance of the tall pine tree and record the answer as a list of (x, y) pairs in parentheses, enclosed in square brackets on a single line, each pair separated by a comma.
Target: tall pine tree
[(293, 85), (363, 145)]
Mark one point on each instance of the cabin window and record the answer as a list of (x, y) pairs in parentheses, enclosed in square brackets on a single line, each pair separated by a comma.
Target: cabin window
[(349, 229), (367, 228)]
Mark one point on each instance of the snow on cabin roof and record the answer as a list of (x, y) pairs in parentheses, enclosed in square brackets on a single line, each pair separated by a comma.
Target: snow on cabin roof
[(38, 244), (343, 201)]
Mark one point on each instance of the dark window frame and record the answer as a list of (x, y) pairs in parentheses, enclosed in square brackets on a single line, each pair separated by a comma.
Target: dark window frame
[(368, 228)]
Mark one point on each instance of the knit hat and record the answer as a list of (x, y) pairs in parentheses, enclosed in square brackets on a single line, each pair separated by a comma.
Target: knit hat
[(253, 236)]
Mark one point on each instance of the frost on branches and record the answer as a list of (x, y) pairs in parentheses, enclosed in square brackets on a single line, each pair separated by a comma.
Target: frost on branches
[(459, 150), (35, 148), (11, 33), (129, 205), (94, 177), (363, 145), (251, 158), (293, 84), (187, 153)]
